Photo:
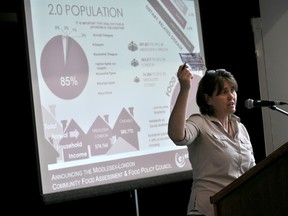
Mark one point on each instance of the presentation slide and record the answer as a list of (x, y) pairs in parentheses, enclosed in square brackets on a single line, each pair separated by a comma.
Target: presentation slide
[(103, 83)]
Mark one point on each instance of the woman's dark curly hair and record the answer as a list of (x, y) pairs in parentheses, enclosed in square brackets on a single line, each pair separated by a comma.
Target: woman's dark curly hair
[(212, 81)]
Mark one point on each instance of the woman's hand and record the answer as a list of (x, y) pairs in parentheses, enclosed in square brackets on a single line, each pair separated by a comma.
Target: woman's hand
[(184, 75)]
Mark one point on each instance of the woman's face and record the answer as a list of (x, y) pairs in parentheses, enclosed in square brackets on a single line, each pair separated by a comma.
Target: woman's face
[(225, 103)]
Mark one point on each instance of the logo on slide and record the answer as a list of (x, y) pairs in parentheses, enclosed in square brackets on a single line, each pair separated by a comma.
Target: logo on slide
[(180, 160)]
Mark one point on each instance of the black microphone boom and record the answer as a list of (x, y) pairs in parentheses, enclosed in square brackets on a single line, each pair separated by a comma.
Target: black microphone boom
[(249, 103)]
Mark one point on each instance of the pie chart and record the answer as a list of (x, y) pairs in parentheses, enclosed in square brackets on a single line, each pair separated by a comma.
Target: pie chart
[(64, 67)]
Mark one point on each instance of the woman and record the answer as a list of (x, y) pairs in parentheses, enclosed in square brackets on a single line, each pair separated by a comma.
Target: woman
[(218, 143)]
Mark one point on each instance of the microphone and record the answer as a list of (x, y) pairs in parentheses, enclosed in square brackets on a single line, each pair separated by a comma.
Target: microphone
[(249, 103)]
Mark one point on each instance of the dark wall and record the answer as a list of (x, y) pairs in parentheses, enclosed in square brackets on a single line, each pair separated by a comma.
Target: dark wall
[(228, 41)]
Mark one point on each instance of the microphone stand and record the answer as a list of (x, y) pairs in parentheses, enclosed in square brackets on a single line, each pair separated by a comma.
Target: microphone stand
[(278, 109)]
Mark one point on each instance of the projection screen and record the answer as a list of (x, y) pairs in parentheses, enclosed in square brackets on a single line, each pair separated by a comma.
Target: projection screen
[(103, 83)]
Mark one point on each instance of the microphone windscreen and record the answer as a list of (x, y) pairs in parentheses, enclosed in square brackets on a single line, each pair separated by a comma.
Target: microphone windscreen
[(249, 103)]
